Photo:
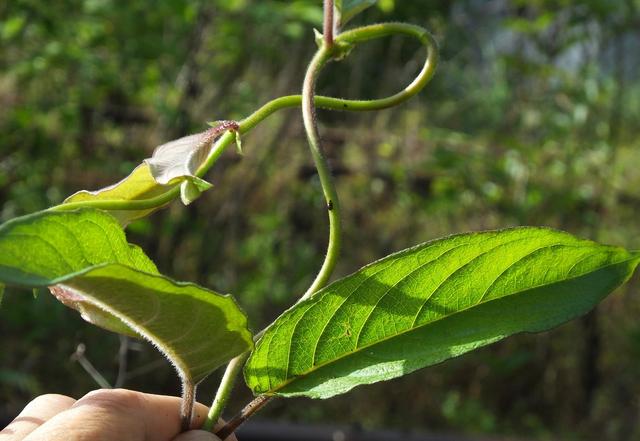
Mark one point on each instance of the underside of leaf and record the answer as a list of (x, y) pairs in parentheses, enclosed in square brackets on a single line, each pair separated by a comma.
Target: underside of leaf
[(175, 160), (196, 329)]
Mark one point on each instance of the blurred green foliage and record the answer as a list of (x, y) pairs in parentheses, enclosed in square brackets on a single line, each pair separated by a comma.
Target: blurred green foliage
[(532, 118)]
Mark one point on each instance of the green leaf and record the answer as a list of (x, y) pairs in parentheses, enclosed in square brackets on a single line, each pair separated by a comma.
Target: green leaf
[(42, 247), (430, 303), (84, 258), (191, 189), (174, 163), (347, 9), (196, 329), (238, 142), (139, 185)]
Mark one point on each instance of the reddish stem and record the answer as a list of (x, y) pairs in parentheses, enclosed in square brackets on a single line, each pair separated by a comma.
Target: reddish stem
[(328, 23), (243, 416)]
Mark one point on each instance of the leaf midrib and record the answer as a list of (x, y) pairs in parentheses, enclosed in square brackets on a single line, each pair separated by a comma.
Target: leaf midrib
[(440, 285), (632, 258)]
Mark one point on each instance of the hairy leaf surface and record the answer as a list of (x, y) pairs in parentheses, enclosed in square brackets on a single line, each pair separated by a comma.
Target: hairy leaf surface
[(430, 303), (84, 258), (196, 329)]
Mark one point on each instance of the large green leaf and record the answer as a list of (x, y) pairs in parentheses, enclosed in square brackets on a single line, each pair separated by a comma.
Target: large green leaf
[(84, 258), (347, 9), (430, 303)]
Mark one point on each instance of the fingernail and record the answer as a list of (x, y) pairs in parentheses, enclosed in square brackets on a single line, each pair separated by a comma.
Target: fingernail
[(196, 435)]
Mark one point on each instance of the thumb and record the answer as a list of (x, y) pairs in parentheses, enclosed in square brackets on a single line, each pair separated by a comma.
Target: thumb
[(196, 435)]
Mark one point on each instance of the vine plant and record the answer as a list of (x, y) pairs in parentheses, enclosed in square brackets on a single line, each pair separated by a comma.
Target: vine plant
[(412, 309)]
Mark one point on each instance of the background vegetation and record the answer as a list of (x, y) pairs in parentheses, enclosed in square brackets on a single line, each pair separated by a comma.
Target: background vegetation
[(533, 118)]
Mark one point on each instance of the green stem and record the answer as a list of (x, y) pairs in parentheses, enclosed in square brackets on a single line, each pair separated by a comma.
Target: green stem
[(224, 391), (133, 205), (326, 180), (350, 37)]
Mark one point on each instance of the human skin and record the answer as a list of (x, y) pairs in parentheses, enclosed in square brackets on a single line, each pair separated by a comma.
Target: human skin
[(105, 415)]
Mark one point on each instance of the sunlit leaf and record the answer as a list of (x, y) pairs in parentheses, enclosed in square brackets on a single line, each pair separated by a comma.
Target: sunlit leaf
[(139, 185), (39, 248), (84, 258), (172, 164), (175, 160), (432, 302)]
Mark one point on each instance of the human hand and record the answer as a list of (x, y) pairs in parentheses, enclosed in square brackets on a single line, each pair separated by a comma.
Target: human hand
[(105, 415)]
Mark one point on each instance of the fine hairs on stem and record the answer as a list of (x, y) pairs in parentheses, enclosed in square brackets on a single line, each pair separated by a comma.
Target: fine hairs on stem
[(188, 402), (328, 25), (328, 188)]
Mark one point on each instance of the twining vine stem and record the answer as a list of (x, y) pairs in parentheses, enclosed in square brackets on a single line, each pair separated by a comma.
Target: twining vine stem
[(322, 56), (324, 172), (327, 28), (347, 38)]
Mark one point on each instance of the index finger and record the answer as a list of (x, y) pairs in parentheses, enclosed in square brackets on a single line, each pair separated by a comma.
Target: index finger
[(35, 414)]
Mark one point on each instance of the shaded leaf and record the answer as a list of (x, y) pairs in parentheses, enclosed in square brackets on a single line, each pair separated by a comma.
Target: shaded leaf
[(196, 329), (139, 185), (84, 258), (432, 302)]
